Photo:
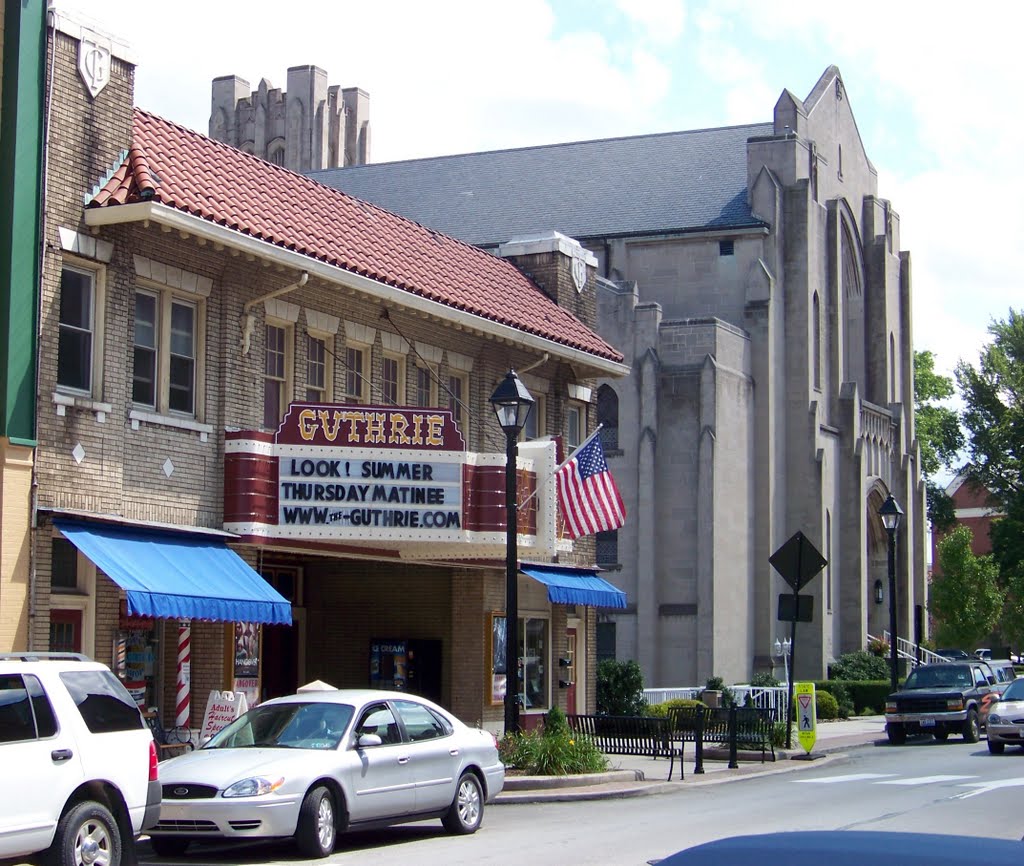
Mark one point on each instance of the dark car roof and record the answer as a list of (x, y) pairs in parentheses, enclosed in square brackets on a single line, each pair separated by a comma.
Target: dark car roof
[(850, 848)]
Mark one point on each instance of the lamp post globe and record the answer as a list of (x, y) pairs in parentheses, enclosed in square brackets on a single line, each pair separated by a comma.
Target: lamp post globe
[(512, 404), (891, 514)]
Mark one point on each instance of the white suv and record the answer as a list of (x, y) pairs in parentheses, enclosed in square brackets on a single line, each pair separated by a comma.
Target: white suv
[(80, 762)]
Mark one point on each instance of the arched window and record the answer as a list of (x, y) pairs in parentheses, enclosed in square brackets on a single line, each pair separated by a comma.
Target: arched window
[(608, 417), (816, 340)]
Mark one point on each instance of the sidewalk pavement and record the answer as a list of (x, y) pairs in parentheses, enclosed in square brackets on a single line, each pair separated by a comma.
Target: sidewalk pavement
[(636, 777)]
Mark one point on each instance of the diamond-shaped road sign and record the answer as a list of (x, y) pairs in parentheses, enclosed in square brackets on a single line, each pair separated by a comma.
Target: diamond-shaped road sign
[(797, 561)]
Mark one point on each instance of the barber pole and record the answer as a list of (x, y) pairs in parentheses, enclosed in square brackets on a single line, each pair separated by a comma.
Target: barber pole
[(183, 705)]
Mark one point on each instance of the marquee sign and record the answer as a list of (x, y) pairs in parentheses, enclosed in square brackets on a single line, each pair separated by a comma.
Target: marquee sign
[(367, 474)]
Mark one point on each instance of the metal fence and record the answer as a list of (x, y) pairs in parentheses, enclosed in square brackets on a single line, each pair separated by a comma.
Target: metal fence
[(765, 697)]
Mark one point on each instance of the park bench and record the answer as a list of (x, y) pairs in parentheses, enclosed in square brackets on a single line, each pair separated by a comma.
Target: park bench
[(746, 728), (641, 736)]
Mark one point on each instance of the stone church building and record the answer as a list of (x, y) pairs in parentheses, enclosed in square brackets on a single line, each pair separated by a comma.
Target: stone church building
[(754, 279)]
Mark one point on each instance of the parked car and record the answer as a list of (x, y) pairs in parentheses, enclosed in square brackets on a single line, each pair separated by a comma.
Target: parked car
[(850, 848), (1006, 719), (80, 763), (983, 653), (941, 699), (1003, 671), (316, 764), (952, 654)]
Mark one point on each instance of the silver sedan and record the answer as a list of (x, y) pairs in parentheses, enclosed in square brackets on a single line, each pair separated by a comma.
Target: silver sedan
[(1006, 718), (315, 764)]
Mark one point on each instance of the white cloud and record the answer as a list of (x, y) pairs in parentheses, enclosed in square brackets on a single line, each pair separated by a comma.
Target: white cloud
[(662, 21)]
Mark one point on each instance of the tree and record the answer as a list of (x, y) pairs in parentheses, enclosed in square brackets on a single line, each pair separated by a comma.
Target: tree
[(965, 599), (938, 433), (993, 396)]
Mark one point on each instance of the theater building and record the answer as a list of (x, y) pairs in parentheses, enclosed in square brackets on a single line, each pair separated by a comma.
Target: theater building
[(266, 453)]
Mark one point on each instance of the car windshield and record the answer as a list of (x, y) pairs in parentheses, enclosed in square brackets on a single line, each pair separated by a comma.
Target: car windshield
[(939, 677), (1014, 691), (286, 726)]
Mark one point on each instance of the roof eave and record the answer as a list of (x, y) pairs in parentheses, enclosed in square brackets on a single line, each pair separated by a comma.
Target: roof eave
[(182, 221)]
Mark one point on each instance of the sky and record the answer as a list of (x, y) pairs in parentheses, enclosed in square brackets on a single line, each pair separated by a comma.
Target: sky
[(936, 90)]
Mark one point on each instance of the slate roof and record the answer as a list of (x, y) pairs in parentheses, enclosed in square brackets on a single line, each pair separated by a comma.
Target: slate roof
[(174, 166), (676, 181)]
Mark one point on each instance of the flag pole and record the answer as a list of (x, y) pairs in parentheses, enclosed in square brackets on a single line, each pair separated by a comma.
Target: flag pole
[(560, 466)]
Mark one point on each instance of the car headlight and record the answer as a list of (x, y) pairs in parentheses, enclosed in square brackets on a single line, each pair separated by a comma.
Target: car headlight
[(955, 704), (890, 706), (254, 787), (994, 718)]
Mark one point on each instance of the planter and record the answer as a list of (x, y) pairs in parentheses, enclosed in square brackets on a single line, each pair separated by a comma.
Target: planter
[(711, 698)]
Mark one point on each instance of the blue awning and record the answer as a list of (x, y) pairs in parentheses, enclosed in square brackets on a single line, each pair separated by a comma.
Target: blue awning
[(175, 576), (575, 586)]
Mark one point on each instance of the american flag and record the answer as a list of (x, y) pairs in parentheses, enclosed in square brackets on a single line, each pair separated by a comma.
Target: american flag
[(587, 494)]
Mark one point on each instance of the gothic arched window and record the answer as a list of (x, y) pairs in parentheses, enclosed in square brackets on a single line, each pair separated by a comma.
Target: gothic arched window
[(608, 417)]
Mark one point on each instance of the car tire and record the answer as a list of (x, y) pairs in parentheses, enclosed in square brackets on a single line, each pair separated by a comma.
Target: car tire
[(897, 734), (972, 728), (317, 830), (996, 747), (86, 831), (941, 734), (168, 846), (467, 810)]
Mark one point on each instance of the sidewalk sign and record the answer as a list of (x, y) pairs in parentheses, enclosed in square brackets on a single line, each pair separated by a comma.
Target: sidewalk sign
[(222, 708), (807, 719)]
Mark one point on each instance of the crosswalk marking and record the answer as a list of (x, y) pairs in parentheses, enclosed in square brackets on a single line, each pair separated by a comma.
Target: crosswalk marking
[(924, 780), (983, 787), (849, 777)]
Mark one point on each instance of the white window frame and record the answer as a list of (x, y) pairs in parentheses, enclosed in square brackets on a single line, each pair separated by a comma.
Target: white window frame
[(577, 410), (97, 277), (430, 372), (328, 344), (287, 384), (537, 420), (166, 299), (398, 399), (362, 380), (459, 412)]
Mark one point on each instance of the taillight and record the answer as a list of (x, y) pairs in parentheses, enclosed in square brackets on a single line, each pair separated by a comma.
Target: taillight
[(154, 770)]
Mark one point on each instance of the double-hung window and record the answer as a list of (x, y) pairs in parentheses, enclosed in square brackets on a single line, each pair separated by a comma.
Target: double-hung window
[(536, 423), (276, 373), (426, 387), (393, 380), (575, 427), (356, 385), (165, 353), (458, 393), (318, 366), (76, 341)]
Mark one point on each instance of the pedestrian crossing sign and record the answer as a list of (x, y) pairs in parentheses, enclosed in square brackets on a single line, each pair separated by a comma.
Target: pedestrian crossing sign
[(806, 718)]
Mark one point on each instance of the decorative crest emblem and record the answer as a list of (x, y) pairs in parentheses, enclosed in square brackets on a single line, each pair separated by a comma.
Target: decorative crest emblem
[(93, 64), (579, 270)]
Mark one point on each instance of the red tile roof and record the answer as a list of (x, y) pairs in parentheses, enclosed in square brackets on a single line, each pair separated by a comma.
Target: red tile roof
[(177, 167)]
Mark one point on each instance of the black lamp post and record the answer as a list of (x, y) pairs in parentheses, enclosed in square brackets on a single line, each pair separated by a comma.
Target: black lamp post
[(512, 404), (890, 512)]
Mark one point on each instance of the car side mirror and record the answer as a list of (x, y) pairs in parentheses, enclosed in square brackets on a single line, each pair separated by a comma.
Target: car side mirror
[(367, 740)]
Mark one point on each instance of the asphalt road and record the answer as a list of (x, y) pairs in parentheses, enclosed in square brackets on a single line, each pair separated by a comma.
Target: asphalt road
[(924, 786)]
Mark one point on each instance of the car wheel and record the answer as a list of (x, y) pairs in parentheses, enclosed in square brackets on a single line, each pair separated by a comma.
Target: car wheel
[(972, 730), (317, 830), (941, 734), (467, 809), (996, 747), (87, 835), (897, 734), (168, 846)]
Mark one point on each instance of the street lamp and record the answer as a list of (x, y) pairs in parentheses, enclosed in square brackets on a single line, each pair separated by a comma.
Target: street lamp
[(784, 648), (890, 512), (512, 404)]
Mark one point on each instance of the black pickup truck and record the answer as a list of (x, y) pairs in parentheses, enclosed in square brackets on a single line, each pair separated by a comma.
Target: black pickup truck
[(941, 699)]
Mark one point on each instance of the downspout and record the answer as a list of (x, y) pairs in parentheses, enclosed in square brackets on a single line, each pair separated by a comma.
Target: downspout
[(249, 320), (543, 359)]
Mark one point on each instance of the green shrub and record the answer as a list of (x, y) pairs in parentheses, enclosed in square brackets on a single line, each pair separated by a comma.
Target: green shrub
[(620, 688), (764, 679), (860, 665), (878, 647), (551, 754), (870, 695), (779, 734), (839, 689), (555, 723), (825, 705), (717, 684), (661, 710)]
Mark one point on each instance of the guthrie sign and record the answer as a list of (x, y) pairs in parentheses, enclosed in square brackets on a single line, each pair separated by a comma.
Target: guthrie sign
[(361, 472)]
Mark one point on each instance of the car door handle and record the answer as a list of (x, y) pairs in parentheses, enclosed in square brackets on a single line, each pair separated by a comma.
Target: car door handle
[(59, 755), (453, 752), (404, 759)]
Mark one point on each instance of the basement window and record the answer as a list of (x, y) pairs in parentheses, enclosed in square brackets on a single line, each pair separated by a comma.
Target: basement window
[(725, 248)]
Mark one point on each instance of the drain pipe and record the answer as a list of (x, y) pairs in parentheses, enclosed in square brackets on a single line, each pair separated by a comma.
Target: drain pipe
[(543, 359), (249, 320)]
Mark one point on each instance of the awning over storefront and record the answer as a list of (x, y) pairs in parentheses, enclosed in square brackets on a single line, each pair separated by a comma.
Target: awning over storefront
[(177, 576), (575, 586)]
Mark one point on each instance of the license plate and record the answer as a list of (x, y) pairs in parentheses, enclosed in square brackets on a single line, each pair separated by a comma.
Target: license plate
[(927, 723)]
